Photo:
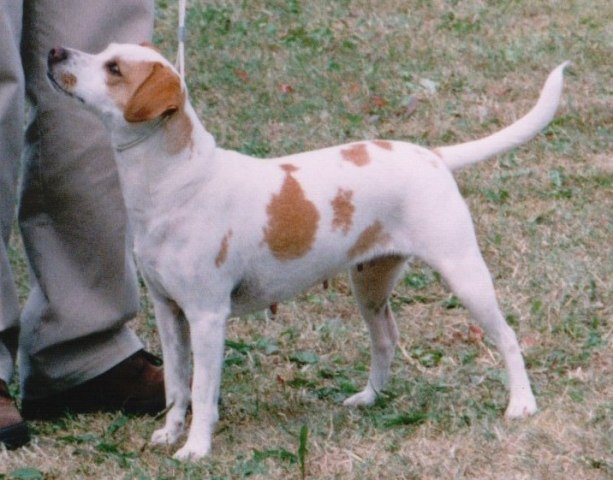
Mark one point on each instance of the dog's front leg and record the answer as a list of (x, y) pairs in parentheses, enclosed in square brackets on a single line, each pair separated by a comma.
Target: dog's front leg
[(174, 335), (207, 338)]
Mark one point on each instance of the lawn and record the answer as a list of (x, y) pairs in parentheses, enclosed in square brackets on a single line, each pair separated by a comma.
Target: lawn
[(276, 77)]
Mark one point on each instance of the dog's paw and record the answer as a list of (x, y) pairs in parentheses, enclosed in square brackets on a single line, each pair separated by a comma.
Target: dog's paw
[(191, 453), (521, 407), (166, 435), (363, 399)]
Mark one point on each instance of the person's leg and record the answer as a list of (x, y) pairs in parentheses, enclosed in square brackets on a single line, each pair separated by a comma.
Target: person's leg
[(11, 141), (13, 431), (71, 214)]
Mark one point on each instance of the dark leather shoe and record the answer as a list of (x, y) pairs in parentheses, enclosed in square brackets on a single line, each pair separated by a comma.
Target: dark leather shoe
[(134, 386), (13, 430)]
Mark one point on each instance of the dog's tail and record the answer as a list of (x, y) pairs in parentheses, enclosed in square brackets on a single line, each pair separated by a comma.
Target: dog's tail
[(518, 133)]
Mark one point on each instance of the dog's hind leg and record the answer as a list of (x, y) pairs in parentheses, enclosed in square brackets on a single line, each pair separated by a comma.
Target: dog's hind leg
[(174, 335), (372, 283), (469, 278)]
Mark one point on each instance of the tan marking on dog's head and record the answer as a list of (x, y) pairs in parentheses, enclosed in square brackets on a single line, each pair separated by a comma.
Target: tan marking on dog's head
[(356, 154), (384, 144), (371, 237), (144, 90), (148, 90), (159, 94), (178, 133), (343, 208), (68, 80), (222, 256), (124, 84), (292, 220)]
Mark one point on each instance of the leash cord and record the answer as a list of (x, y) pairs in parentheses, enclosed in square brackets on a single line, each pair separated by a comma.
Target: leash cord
[(181, 34)]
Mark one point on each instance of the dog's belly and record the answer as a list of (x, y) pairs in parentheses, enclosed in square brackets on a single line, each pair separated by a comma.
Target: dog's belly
[(258, 290), (248, 296)]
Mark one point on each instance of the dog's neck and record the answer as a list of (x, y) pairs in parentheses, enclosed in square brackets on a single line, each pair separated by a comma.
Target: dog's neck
[(139, 135), (161, 159)]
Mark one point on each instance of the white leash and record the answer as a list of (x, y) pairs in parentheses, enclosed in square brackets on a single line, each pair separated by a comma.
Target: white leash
[(181, 37)]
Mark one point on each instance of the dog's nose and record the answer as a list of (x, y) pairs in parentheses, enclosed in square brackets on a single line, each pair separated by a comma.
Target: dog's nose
[(56, 55)]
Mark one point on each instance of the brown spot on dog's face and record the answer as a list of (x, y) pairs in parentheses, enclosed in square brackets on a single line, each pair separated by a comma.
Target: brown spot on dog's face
[(68, 80), (222, 256), (343, 211), (292, 220), (356, 154), (371, 236), (385, 145)]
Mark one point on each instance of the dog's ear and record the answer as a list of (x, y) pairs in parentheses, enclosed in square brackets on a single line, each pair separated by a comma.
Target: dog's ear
[(159, 94)]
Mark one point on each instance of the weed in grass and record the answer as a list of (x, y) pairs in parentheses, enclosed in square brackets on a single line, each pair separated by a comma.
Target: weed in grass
[(303, 450), (25, 473), (304, 358)]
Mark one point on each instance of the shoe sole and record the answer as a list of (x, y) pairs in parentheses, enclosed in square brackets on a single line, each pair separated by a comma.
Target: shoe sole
[(47, 409), (14, 436)]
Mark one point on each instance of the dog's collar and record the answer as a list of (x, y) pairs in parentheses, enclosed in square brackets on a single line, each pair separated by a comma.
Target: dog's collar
[(155, 126)]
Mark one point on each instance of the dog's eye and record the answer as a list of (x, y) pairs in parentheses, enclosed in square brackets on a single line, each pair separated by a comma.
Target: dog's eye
[(113, 69)]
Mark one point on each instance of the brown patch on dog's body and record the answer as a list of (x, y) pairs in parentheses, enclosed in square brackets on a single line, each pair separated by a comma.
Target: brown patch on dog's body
[(222, 256), (384, 144), (343, 211), (356, 154), (289, 168), (371, 236), (292, 220)]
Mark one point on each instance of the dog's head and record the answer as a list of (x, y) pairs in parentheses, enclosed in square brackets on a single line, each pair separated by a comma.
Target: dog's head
[(123, 83)]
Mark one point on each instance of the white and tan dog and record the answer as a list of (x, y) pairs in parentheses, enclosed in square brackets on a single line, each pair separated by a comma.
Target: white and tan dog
[(218, 233)]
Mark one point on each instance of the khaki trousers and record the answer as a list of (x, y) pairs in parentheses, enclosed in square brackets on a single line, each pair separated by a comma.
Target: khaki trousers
[(71, 213)]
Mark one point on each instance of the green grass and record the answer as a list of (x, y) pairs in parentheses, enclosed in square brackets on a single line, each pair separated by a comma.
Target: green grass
[(276, 77)]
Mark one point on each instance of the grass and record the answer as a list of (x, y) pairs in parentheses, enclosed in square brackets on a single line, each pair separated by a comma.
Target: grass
[(275, 77)]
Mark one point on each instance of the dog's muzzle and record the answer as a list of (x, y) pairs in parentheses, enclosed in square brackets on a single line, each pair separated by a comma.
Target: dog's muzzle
[(62, 81), (55, 56)]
